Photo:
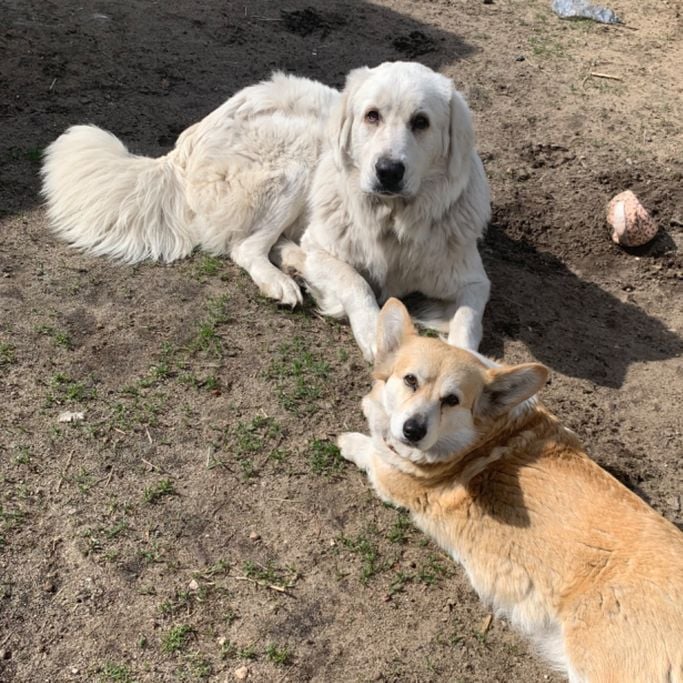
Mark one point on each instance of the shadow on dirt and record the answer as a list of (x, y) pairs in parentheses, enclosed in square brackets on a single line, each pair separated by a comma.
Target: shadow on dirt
[(572, 326), (146, 82)]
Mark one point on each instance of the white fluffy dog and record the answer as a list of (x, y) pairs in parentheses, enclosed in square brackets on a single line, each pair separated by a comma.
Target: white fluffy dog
[(380, 185)]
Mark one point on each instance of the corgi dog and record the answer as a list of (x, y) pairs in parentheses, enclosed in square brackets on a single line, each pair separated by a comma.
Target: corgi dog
[(548, 539)]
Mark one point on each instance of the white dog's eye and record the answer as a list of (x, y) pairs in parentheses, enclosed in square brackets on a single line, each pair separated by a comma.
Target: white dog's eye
[(450, 400), (372, 116), (410, 381), (419, 122)]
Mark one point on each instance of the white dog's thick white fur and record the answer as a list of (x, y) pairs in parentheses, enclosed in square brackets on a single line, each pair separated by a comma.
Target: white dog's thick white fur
[(290, 155)]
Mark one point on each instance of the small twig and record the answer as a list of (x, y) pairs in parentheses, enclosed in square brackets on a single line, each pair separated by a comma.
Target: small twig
[(52, 85), (120, 431), (272, 586), (149, 436), (64, 471), (285, 674), (153, 466), (598, 74), (111, 472), (486, 625)]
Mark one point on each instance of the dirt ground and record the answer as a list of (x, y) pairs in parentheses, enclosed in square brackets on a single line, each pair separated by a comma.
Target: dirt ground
[(198, 520)]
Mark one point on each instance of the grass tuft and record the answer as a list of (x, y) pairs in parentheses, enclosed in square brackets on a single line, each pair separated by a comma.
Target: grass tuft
[(325, 457), (176, 639), (153, 494)]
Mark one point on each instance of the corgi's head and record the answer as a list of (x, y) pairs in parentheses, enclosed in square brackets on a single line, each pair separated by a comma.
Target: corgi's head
[(441, 400)]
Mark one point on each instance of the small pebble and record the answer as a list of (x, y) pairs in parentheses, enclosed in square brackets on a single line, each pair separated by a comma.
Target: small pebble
[(242, 673), (193, 585), (254, 536)]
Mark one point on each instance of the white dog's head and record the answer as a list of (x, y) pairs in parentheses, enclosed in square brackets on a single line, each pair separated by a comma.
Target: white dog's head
[(400, 124)]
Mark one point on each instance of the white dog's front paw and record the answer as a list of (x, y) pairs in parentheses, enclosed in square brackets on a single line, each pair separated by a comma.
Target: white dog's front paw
[(356, 447), (282, 288)]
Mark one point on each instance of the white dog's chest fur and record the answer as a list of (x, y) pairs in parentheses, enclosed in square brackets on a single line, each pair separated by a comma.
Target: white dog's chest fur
[(398, 246)]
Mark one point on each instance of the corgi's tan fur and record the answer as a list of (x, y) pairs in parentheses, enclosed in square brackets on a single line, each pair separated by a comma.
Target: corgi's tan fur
[(548, 538)]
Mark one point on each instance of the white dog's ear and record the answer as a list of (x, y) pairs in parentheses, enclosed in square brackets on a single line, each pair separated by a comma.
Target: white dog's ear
[(394, 326), (342, 118), (507, 387), (460, 142)]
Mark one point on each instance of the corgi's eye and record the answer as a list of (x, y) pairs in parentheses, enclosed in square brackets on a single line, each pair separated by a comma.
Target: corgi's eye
[(450, 400), (410, 381)]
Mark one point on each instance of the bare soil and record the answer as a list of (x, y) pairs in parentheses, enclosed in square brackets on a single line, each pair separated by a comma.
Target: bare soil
[(198, 519)]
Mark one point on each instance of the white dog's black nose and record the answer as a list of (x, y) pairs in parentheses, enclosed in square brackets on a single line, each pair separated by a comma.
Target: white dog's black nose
[(414, 429), (389, 174)]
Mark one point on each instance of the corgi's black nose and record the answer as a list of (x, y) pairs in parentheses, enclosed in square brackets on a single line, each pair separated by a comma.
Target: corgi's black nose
[(414, 429), (389, 174)]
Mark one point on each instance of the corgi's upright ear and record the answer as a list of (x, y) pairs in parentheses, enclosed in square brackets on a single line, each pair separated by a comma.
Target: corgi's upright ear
[(394, 326), (506, 388)]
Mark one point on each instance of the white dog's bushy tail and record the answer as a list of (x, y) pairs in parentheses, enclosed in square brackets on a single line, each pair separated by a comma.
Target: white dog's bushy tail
[(112, 203)]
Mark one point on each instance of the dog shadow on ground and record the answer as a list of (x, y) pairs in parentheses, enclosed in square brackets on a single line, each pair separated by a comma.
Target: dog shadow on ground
[(571, 325), (147, 78)]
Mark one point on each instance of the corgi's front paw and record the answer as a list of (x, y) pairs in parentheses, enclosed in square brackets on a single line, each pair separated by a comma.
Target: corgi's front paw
[(356, 447)]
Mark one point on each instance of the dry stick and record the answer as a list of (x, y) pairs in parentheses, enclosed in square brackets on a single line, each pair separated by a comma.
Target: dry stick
[(272, 586), (149, 436), (285, 674), (64, 471), (598, 74), (153, 466)]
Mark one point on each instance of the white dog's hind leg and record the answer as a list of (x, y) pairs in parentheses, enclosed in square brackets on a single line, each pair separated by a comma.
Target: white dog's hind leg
[(357, 448), (340, 290), (252, 255)]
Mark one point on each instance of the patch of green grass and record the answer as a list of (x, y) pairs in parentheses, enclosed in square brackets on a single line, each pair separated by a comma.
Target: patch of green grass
[(545, 47), (7, 354), (270, 574), (299, 375), (11, 519), (23, 456), (206, 338), (400, 530), (64, 389), (368, 553), (325, 457), (176, 639), (116, 529), (229, 650), (199, 667), (60, 337), (399, 582), (34, 155), (208, 266), (116, 673), (278, 655), (432, 571), (426, 332), (84, 480), (137, 410), (153, 494), (156, 374), (247, 652), (182, 600), (247, 439)]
